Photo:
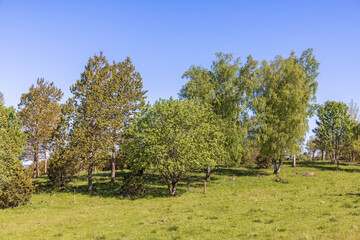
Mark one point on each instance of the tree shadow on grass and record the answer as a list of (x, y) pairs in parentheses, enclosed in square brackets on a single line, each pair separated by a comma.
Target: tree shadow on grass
[(327, 166), (103, 187), (248, 171)]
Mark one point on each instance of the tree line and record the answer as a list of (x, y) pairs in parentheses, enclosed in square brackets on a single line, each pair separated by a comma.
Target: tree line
[(231, 113)]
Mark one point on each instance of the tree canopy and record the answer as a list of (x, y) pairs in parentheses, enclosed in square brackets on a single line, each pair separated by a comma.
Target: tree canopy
[(175, 137)]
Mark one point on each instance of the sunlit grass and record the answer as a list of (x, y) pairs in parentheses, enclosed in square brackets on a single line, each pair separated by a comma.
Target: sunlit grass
[(238, 204)]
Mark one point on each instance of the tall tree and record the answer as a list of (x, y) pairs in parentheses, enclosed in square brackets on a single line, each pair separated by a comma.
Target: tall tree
[(40, 112), (124, 96), (334, 128), (174, 138), (227, 89), (105, 98), (284, 101), (89, 125)]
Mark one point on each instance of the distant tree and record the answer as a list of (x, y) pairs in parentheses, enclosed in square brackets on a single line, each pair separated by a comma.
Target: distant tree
[(311, 147), (124, 96), (2, 100), (354, 140), (334, 128), (283, 103), (175, 138), (227, 89), (40, 112)]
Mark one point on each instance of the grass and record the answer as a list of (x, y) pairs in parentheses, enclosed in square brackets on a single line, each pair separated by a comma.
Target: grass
[(324, 206)]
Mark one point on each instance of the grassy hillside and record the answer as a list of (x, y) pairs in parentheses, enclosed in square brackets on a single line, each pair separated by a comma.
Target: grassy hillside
[(240, 203)]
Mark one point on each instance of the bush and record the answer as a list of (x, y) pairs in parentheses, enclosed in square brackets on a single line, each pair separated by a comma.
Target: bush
[(133, 186), (263, 162), (62, 168), (18, 191)]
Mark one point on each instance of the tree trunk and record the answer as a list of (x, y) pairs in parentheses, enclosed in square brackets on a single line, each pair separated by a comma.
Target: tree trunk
[(36, 164), (113, 165), (45, 166), (294, 161), (322, 155), (90, 180), (313, 156), (172, 188), (208, 173), (333, 158), (277, 168)]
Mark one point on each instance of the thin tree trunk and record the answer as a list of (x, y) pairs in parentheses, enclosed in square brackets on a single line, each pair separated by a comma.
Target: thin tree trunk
[(277, 168), (45, 166), (294, 161), (90, 180), (172, 188), (313, 156), (322, 155), (113, 165), (208, 173), (35, 166), (333, 160)]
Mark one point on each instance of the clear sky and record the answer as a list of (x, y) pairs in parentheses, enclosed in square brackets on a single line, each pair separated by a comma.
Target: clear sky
[(54, 39)]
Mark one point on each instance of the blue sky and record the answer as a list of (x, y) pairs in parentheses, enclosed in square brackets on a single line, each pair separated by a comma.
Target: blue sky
[(54, 39)]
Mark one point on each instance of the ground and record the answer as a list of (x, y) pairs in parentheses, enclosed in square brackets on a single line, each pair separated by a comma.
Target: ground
[(240, 203)]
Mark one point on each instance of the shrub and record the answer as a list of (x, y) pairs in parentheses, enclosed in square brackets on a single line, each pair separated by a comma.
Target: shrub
[(133, 186), (62, 168), (18, 190), (263, 162)]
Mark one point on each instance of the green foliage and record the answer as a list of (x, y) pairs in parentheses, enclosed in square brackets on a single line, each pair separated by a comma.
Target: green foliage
[(15, 186), (173, 138), (283, 102), (334, 128), (40, 114), (133, 186), (227, 89), (17, 191), (262, 162), (103, 102), (63, 166)]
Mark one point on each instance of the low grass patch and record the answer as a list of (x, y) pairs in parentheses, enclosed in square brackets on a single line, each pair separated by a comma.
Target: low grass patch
[(240, 203)]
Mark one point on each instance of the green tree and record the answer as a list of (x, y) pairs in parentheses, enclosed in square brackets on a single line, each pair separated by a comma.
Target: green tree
[(334, 128), (89, 120), (283, 102), (174, 138), (227, 89), (40, 113), (2, 100), (124, 96), (15, 187), (311, 147)]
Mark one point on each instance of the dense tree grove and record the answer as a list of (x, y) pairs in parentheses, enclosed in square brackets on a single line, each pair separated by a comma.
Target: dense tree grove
[(230, 114)]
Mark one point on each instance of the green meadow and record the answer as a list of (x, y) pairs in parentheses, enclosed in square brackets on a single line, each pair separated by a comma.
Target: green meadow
[(239, 203)]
